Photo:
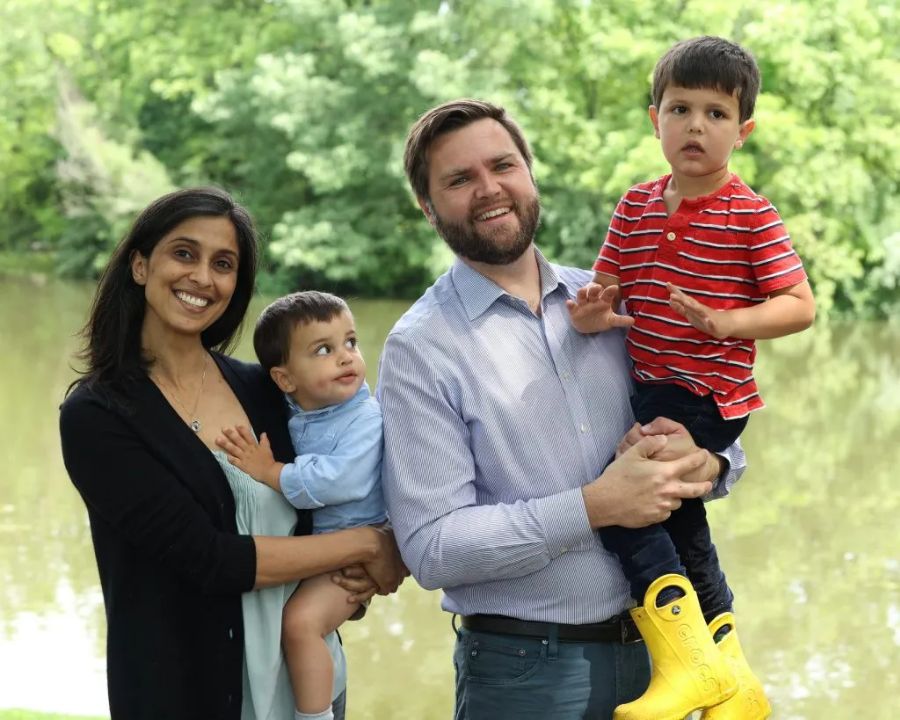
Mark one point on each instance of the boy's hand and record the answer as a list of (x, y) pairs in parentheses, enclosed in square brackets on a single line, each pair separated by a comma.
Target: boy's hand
[(706, 319), (254, 458), (592, 309)]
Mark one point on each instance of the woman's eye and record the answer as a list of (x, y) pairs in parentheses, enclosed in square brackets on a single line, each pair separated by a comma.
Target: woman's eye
[(183, 253), (224, 265)]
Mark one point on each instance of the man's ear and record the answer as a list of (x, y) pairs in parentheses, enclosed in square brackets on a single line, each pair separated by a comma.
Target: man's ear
[(654, 118), (138, 268), (427, 208), (282, 379)]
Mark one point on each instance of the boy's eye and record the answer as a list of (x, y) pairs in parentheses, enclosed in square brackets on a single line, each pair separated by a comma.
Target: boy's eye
[(351, 343), (679, 109), (716, 114), (322, 350)]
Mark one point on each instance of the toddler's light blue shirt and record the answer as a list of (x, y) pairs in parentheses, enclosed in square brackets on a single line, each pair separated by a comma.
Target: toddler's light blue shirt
[(337, 471)]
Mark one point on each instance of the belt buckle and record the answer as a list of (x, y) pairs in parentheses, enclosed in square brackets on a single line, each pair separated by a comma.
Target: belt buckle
[(628, 631)]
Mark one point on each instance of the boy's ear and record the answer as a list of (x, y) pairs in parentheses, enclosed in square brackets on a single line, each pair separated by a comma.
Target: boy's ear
[(282, 379), (744, 131), (425, 204), (654, 118)]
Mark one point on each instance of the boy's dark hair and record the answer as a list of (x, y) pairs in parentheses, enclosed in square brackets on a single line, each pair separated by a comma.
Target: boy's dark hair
[(272, 336), (709, 62), (446, 118)]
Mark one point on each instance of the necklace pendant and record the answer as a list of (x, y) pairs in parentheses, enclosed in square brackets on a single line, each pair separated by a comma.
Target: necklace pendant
[(195, 425)]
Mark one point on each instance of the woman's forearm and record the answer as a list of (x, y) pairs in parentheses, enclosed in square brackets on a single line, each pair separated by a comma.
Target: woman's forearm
[(281, 560)]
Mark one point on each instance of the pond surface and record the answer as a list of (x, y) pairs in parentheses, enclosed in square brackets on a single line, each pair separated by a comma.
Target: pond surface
[(809, 539)]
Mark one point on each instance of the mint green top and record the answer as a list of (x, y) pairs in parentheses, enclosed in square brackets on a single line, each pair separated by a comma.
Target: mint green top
[(267, 686)]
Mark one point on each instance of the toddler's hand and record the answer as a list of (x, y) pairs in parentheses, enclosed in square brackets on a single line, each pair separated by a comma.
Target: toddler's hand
[(716, 323), (592, 309), (254, 458)]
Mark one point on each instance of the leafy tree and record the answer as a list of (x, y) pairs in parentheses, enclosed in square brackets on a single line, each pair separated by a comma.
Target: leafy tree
[(301, 108)]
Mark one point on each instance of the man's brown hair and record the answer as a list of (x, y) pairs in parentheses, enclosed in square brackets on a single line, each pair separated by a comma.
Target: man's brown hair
[(446, 118)]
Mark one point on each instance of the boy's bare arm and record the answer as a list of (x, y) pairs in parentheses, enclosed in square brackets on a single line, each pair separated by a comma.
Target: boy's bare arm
[(594, 307), (786, 311)]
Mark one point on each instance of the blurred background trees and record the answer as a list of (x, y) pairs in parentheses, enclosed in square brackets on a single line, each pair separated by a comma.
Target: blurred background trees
[(300, 107)]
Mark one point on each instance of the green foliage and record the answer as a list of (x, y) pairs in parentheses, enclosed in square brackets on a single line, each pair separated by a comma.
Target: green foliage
[(301, 108)]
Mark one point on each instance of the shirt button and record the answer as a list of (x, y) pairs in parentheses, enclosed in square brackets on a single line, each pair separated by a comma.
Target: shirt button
[(584, 428), (230, 633), (563, 550), (566, 375), (670, 236)]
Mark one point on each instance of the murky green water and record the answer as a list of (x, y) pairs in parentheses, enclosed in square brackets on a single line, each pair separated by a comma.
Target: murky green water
[(809, 540)]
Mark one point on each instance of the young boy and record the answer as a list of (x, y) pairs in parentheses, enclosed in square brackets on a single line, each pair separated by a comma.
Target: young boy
[(704, 266), (307, 342)]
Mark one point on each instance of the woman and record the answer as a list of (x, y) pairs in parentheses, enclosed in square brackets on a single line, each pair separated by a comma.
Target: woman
[(138, 433)]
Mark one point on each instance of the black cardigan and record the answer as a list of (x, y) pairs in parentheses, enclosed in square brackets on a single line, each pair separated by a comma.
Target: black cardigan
[(171, 563)]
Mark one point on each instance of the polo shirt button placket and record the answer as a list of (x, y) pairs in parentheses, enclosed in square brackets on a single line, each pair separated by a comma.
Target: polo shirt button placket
[(671, 236)]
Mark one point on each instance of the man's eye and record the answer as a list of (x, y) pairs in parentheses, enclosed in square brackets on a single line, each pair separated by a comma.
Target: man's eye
[(323, 350), (457, 181)]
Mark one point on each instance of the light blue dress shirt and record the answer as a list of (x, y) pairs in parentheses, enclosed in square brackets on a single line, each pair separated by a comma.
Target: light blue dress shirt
[(494, 418), (337, 471)]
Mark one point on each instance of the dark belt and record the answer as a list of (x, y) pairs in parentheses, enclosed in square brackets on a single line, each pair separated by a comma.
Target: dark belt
[(619, 629)]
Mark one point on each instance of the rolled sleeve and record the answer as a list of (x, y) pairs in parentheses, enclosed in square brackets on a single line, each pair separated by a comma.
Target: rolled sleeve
[(736, 461)]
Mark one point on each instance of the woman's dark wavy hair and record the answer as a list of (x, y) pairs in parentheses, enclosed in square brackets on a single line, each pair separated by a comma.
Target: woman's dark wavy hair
[(112, 334)]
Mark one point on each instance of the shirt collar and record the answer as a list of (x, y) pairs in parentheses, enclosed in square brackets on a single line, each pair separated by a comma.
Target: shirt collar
[(477, 292), (361, 395)]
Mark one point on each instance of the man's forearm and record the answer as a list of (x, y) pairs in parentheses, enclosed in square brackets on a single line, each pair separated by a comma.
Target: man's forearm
[(491, 542)]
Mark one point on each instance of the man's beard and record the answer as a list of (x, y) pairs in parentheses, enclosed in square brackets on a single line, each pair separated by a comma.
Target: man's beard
[(466, 242)]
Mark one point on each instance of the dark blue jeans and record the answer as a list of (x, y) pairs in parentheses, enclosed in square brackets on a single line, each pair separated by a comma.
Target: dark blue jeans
[(508, 677), (682, 544)]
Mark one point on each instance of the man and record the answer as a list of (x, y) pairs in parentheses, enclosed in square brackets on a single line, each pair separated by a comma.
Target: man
[(499, 420)]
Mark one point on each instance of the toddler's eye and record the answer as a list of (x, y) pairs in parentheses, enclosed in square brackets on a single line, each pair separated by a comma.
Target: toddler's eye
[(351, 343), (323, 350)]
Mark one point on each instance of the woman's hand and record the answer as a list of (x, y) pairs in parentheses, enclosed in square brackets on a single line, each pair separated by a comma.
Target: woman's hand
[(356, 581), (386, 569)]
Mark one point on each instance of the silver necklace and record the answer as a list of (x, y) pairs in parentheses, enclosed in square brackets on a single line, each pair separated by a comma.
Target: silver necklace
[(194, 422)]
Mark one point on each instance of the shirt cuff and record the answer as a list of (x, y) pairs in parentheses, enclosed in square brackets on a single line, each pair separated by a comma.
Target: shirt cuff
[(294, 489), (565, 523), (735, 465)]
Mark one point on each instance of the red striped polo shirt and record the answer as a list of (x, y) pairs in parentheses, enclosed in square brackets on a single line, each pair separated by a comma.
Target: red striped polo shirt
[(728, 249)]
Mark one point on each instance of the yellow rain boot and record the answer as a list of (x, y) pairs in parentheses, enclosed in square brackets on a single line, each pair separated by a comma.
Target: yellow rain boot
[(750, 701), (687, 670)]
